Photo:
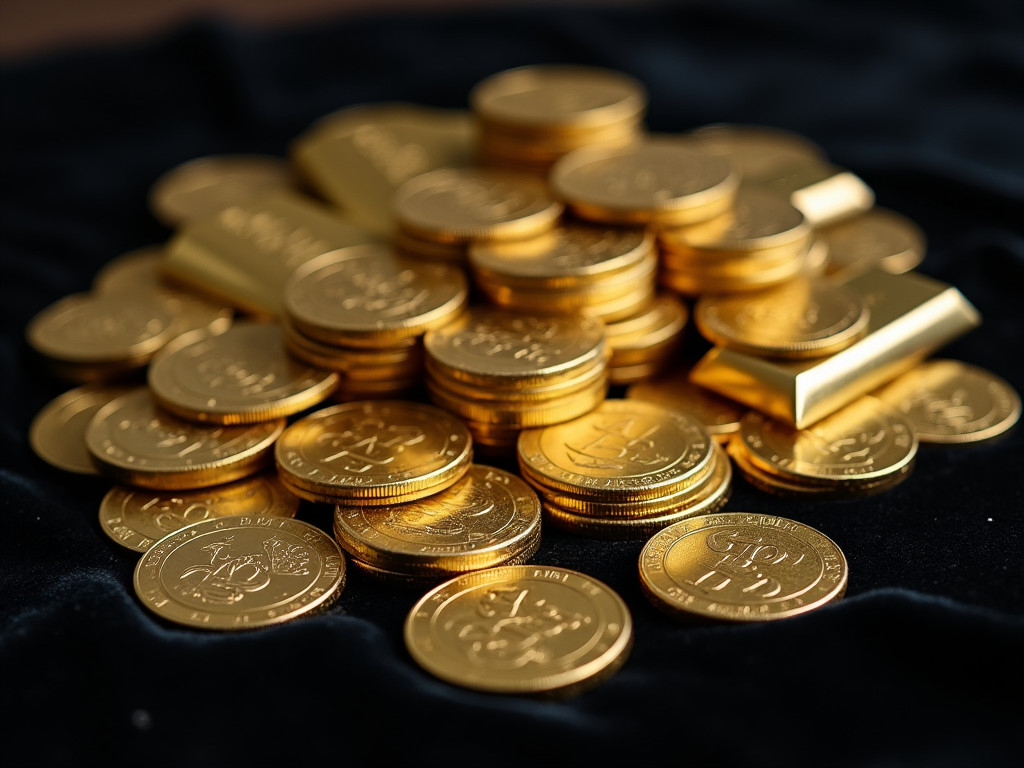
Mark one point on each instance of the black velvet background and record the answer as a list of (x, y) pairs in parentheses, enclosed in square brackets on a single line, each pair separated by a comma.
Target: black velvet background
[(920, 665)]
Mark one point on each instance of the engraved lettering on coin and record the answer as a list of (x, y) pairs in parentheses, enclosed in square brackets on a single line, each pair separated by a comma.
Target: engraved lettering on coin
[(526, 339), (364, 444), (626, 444)]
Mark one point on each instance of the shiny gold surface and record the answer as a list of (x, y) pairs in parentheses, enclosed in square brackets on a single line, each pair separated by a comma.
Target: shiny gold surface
[(242, 376), (137, 518), (520, 629), (135, 442), (911, 316), (760, 153), (633, 341), (509, 413), (825, 194), (719, 415), (951, 402), (741, 566), (356, 364), (57, 433), (880, 239), (240, 572)]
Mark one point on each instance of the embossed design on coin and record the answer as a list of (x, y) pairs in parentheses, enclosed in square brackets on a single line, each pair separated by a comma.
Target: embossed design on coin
[(239, 572), (57, 433), (740, 566), (520, 629)]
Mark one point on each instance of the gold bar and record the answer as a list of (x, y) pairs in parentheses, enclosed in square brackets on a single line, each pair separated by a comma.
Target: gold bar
[(356, 158), (823, 193), (246, 253), (911, 317)]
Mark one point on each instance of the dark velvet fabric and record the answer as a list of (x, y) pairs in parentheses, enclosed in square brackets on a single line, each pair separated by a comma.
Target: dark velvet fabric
[(919, 665)]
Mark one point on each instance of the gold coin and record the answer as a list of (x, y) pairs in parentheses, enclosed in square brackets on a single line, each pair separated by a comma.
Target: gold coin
[(860, 443), (625, 450), (741, 566), (486, 517), (558, 98), (353, 363), (137, 443), (374, 452), (952, 402), (57, 433), (242, 376), (878, 238), (530, 414), (694, 282), (520, 629), (664, 182), (761, 154), (799, 319), (494, 347), (585, 378), (499, 144), (719, 415), (209, 185), (661, 323), (624, 375), (136, 518), (818, 258), (455, 205), (240, 572), (368, 295), (427, 250)]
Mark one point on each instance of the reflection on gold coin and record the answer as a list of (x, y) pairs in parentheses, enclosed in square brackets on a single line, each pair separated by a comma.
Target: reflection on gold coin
[(242, 376), (240, 572), (136, 518), (139, 444), (879, 238), (719, 415), (799, 319), (951, 402), (209, 185), (374, 452), (760, 153), (740, 566), (520, 629), (57, 433)]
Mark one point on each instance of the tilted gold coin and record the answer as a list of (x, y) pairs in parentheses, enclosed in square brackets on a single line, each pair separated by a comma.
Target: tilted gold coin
[(878, 238), (368, 295), (374, 452), (209, 185), (741, 566), (481, 521), (800, 319), (761, 154), (659, 325), (719, 415), (136, 518), (240, 572), (585, 378), (57, 433), (623, 450), (520, 629), (137, 443), (863, 442), (456, 205), (243, 376), (663, 182), (952, 402), (355, 363)]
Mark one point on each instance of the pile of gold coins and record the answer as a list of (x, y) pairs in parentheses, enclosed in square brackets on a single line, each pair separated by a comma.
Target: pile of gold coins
[(816, 386)]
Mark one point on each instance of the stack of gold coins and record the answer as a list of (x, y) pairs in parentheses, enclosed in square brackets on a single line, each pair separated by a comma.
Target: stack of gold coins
[(439, 213), (488, 518), (597, 271), (504, 371), (625, 470), (532, 116), (362, 312), (644, 345), (762, 241), (865, 448)]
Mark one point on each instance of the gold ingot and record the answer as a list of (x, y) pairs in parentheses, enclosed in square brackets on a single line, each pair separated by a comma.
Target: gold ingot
[(625, 450), (522, 415), (662, 182), (741, 566), (465, 631), (797, 320), (456, 205), (558, 99), (136, 443), (204, 187), (952, 402), (369, 296), (248, 251), (761, 154), (57, 433), (358, 157), (719, 415), (240, 572), (242, 376), (880, 238), (481, 521), (136, 518), (911, 316), (374, 452), (521, 395), (496, 348)]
